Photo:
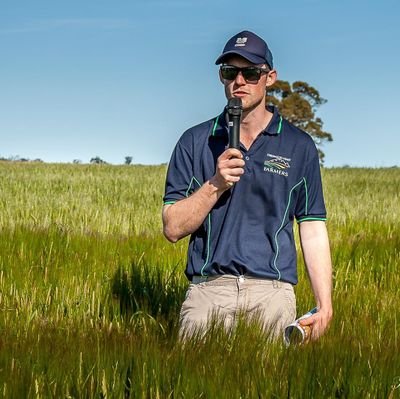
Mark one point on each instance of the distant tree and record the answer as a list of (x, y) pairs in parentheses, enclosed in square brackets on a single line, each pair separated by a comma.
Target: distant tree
[(298, 102), (128, 160), (77, 161), (97, 160)]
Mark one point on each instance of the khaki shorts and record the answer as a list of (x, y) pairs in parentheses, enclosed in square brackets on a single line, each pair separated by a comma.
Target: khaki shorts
[(226, 297)]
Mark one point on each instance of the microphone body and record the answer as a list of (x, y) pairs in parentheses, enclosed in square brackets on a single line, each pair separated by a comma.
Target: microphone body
[(234, 110)]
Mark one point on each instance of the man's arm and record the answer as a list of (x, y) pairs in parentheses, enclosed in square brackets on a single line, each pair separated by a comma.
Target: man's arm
[(186, 216), (316, 252)]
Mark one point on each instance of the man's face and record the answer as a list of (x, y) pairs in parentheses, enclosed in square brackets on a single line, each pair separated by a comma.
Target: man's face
[(252, 93)]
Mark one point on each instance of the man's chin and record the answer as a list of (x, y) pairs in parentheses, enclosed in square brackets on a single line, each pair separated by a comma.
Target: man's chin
[(248, 107)]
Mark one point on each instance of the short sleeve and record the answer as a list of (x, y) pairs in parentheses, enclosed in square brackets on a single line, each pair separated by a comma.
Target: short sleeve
[(179, 174), (311, 204)]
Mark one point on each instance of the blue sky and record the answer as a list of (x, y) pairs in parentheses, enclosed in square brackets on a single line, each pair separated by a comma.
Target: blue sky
[(116, 78)]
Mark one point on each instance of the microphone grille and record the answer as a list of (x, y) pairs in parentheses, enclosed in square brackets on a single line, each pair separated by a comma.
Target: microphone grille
[(234, 103)]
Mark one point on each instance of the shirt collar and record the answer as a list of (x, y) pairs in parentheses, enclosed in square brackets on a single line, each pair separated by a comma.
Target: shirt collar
[(274, 127)]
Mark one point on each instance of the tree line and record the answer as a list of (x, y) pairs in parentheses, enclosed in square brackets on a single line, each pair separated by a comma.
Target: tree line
[(95, 160)]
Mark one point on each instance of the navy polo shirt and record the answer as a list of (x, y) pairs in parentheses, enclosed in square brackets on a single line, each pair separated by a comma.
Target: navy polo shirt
[(250, 228)]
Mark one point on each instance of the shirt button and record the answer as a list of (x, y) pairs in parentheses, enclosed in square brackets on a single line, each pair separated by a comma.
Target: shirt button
[(247, 158)]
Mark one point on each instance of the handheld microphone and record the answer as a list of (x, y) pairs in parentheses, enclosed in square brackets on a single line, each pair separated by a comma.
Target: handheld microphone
[(234, 109)]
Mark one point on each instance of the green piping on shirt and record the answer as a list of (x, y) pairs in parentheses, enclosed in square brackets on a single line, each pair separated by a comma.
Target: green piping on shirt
[(194, 180), (305, 187), (281, 227), (279, 126), (190, 185), (169, 202), (215, 126), (208, 244), (310, 218)]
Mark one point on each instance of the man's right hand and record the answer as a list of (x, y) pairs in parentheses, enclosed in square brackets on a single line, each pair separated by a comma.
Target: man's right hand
[(229, 168)]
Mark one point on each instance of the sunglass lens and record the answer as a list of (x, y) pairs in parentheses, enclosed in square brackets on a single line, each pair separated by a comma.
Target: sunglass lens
[(251, 74), (229, 72)]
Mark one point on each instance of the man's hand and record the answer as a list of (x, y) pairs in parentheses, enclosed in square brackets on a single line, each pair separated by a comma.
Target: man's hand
[(229, 168), (318, 322)]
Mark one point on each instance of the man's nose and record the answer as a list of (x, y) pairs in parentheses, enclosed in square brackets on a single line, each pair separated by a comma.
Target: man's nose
[(240, 80)]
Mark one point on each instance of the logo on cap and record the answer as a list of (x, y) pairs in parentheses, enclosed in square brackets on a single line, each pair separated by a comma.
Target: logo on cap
[(241, 41)]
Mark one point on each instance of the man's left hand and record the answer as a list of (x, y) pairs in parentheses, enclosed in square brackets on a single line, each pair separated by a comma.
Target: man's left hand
[(318, 322)]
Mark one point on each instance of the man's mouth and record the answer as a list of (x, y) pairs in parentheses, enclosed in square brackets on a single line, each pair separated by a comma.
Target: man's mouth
[(239, 93)]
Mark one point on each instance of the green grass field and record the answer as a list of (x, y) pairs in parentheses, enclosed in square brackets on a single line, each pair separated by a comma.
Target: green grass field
[(90, 293)]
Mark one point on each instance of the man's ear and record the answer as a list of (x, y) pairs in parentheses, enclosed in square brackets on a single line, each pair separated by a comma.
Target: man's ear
[(271, 78)]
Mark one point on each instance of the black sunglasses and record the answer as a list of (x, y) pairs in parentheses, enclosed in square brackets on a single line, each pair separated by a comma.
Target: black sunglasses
[(250, 73)]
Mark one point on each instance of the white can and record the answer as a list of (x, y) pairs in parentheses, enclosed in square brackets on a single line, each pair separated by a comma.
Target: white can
[(297, 334)]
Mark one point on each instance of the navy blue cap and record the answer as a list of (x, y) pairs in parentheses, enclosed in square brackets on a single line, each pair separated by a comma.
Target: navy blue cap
[(249, 46)]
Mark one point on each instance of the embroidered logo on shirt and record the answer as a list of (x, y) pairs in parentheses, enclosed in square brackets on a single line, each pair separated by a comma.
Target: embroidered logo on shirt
[(277, 164)]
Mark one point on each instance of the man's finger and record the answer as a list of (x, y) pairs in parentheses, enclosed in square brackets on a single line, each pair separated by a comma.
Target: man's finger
[(308, 321), (230, 153)]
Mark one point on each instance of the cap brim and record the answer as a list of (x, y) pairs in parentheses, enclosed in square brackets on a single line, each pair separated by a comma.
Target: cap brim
[(254, 59)]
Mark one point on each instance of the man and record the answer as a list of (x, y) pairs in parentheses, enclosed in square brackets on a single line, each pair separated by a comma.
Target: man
[(239, 206)]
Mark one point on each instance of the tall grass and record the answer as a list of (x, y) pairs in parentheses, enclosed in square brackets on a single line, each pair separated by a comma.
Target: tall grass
[(90, 294)]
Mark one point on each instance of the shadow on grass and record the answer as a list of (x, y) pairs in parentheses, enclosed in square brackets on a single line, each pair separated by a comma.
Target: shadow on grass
[(151, 291)]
